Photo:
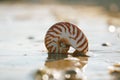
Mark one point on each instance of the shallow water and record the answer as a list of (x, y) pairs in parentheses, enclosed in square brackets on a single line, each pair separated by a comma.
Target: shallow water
[(21, 57)]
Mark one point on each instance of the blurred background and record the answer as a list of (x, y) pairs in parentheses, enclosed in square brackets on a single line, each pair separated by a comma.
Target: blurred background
[(24, 23), (108, 4)]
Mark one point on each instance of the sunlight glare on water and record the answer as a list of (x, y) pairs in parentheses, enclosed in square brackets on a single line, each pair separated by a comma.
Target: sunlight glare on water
[(112, 28)]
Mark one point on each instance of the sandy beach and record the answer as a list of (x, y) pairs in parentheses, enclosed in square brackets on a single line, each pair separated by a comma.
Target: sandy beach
[(23, 28)]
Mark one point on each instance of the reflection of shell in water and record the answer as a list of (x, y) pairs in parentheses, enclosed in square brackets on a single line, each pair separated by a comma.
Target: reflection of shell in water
[(70, 62), (65, 69), (62, 35)]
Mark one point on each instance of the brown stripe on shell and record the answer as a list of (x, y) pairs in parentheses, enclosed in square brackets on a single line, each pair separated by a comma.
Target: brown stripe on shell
[(54, 36), (73, 30), (58, 28), (49, 48), (78, 33), (63, 26), (54, 31), (82, 44), (85, 49), (68, 26), (80, 38)]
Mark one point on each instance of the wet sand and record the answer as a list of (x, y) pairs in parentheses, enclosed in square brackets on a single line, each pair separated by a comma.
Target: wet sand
[(22, 31)]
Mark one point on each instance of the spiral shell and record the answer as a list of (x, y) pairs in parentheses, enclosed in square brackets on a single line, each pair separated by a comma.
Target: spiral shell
[(63, 35)]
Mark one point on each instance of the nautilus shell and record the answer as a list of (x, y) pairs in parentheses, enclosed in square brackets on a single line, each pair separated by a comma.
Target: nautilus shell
[(63, 35)]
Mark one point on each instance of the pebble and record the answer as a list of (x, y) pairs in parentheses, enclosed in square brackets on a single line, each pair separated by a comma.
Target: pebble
[(25, 55), (106, 44), (31, 38)]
